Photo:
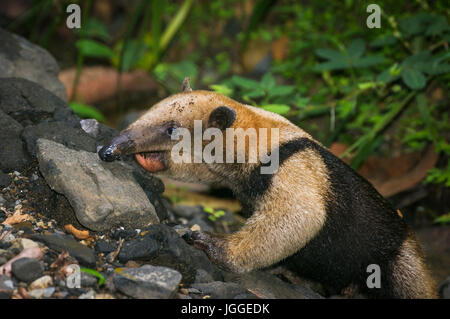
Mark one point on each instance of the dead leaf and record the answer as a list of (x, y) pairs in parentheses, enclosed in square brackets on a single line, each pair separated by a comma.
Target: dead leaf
[(392, 175), (280, 48), (16, 218), (59, 266), (98, 83), (80, 234)]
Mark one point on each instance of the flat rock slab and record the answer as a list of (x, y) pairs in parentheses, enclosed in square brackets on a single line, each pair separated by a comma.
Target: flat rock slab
[(267, 286), (102, 195), (60, 243), (148, 282)]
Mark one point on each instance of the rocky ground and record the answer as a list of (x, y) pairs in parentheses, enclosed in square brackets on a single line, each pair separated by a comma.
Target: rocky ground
[(63, 210)]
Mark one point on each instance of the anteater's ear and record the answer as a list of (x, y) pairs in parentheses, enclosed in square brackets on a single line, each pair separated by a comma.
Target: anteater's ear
[(222, 117), (186, 87)]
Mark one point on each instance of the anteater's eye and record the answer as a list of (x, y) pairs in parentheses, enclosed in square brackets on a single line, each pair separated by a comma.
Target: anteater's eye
[(170, 130)]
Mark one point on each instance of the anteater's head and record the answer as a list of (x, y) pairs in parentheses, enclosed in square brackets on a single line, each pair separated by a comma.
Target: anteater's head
[(150, 138)]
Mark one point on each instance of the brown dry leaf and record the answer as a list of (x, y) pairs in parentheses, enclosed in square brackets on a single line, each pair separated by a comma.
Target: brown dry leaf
[(60, 264), (16, 218), (80, 234), (98, 83), (280, 48), (391, 176)]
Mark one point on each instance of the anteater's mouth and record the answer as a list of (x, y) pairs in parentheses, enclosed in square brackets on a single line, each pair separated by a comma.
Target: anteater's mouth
[(152, 161)]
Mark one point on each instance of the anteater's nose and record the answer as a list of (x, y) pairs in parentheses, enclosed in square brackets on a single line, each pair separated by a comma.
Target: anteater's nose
[(107, 153), (119, 145)]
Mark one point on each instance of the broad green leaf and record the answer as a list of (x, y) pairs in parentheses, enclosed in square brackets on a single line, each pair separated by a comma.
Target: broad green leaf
[(329, 54), (368, 61), (281, 90), (221, 89), (91, 48), (277, 108), (255, 93), (332, 65), (413, 78), (384, 41), (93, 28), (87, 111), (356, 49), (101, 278), (245, 83), (268, 81)]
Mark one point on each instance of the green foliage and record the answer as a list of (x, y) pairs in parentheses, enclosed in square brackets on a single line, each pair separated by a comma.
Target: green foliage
[(101, 278), (443, 219), (91, 48), (350, 57), (213, 214), (86, 111), (266, 93)]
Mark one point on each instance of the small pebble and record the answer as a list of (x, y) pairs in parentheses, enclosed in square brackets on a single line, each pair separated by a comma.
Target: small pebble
[(41, 283)]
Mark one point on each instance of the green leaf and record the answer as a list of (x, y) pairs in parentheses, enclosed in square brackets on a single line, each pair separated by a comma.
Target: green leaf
[(267, 81), (257, 93), (413, 78), (222, 89), (384, 41), (87, 111), (245, 83), (368, 61), (277, 108), (91, 48), (281, 90), (101, 278), (356, 49), (329, 54), (93, 28)]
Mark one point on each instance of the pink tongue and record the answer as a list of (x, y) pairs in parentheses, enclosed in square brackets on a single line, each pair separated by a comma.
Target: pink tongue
[(152, 162)]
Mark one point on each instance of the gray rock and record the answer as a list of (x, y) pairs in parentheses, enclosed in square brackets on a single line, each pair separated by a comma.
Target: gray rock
[(73, 138), (27, 269), (12, 155), (2, 200), (104, 247), (42, 292), (202, 276), (91, 127), (88, 280), (219, 289), (162, 246), (444, 289), (5, 180), (148, 282), (28, 102), (268, 286), (6, 287), (80, 252), (188, 211), (103, 195), (20, 58)]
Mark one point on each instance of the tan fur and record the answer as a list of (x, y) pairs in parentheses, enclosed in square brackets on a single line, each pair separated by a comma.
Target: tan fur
[(294, 205), (256, 245), (411, 275)]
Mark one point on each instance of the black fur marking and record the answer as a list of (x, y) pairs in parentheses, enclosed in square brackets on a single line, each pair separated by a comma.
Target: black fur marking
[(361, 228), (222, 117)]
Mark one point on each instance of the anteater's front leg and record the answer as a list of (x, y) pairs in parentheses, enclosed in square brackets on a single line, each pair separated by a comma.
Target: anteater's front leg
[(257, 245)]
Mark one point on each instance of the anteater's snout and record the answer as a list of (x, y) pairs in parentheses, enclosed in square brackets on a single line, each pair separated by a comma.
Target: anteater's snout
[(119, 145), (108, 153)]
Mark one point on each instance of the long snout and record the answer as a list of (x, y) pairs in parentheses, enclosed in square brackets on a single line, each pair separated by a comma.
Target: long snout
[(119, 145)]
